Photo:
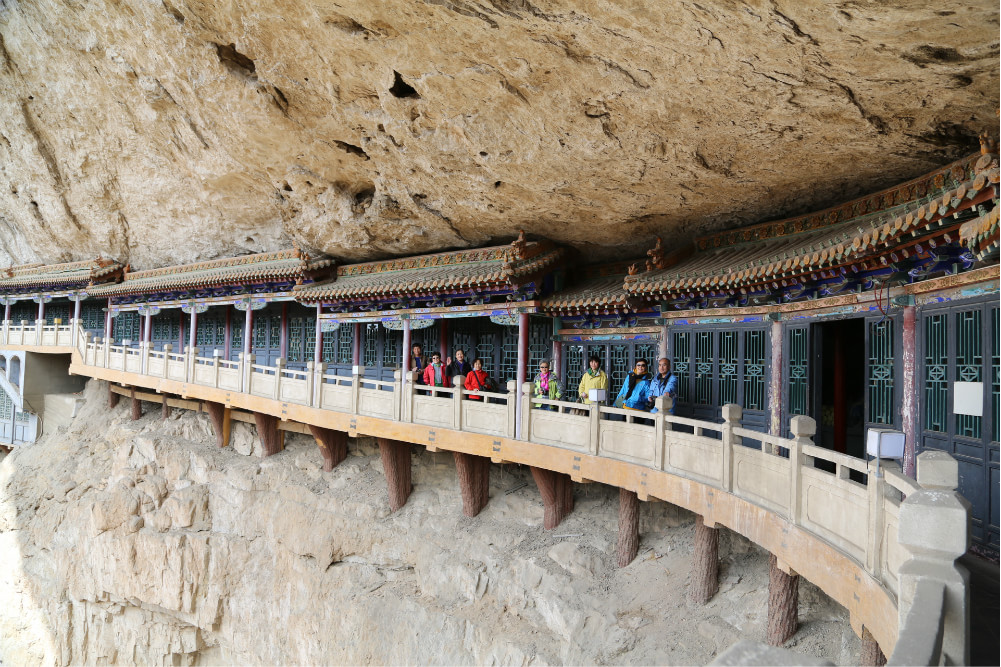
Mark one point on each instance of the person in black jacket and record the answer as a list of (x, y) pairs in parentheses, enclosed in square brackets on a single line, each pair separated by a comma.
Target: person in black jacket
[(457, 366)]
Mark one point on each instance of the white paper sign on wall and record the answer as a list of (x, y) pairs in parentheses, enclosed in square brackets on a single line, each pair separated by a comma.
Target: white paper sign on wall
[(968, 398)]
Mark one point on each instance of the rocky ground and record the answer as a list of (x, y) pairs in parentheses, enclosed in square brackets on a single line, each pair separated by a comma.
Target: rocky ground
[(368, 129), (140, 542)]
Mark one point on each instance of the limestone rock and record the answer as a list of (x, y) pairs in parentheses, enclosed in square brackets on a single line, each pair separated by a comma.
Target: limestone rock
[(368, 129)]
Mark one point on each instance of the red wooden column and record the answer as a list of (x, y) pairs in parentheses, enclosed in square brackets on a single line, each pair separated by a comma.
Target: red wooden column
[(556, 489), (629, 526), (662, 348), (474, 481), (775, 382), (783, 603), (522, 370), (443, 340), (333, 445), (181, 331), (396, 464), (318, 347), (267, 430), (909, 391)]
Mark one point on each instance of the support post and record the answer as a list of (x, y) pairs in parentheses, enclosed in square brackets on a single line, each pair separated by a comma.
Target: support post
[(629, 526), (164, 408), (41, 308), (318, 347), (396, 464), (333, 445), (76, 318), (220, 416), (283, 333), (137, 407), (522, 368), (732, 414), (474, 481), (871, 654), (108, 320), (248, 331), (356, 345), (908, 402), (783, 603), (267, 430), (705, 563), (775, 382), (228, 338), (192, 335), (112, 397), (556, 490)]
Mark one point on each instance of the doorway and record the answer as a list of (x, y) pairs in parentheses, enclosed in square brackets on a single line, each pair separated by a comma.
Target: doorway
[(840, 356)]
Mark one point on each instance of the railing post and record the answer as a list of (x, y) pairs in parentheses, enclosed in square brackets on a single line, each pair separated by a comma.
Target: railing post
[(310, 381), (409, 391), (39, 325), (86, 347), (933, 525), (357, 372), (397, 388), (166, 358), (319, 369), (662, 404), (512, 408), (189, 363), (144, 349), (732, 414), (593, 427), (215, 368), (526, 410), (876, 490), (803, 429), (279, 365), (457, 401), (107, 351), (6, 330)]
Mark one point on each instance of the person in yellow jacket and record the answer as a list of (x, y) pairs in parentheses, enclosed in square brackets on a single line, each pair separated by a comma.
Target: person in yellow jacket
[(593, 378)]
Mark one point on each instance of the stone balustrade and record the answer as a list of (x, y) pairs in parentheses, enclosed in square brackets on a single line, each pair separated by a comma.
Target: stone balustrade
[(907, 547)]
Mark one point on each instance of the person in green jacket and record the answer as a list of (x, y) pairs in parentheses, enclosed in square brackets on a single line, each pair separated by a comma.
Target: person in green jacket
[(547, 385), (593, 378)]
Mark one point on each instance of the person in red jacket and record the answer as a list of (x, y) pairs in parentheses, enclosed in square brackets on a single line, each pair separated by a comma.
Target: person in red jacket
[(477, 380), (436, 374)]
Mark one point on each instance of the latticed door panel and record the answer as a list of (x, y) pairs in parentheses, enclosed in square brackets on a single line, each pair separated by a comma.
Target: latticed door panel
[(24, 311), (728, 363), (127, 327), (575, 365), (681, 353), (371, 335), (540, 346), (57, 311), (995, 378), (92, 315), (798, 383), (509, 357), (753, 369), (618, 365), (166, 328), (936, 373), (880, 372), (969, 364), (704, 367)]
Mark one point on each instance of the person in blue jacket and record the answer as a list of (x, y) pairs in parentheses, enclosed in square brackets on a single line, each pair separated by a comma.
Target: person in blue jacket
[(663, 383), (634, 390)]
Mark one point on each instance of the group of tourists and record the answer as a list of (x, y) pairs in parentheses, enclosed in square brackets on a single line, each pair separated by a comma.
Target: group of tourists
[(639, 391)]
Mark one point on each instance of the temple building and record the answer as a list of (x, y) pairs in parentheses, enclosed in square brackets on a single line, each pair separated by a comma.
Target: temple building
[(879, 313)]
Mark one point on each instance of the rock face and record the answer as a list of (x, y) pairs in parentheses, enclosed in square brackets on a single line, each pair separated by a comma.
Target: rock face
[(141, 542), (366, 129)]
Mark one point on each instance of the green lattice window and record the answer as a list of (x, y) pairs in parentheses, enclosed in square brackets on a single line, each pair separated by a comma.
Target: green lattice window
[(60, 311), (370, 344), (881, 405), (296, 335), (23, 310), (92, 316), (754, 370), (727, 356), (995, 376), (969, 364), (799, 365), (346, 343), (681, 349), (936, 371), (128, 326), (6, 406), (704, 354)]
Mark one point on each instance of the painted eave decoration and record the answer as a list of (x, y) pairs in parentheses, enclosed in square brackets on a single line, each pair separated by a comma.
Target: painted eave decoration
[(873, 231), (499, 269), (55, 277), (281, 266)]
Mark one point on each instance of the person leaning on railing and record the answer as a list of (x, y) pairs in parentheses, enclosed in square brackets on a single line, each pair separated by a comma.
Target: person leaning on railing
[(634, 390), (593, 378), (477, 380), (547, 385), (435, 374), (664, 383), (459, 365)]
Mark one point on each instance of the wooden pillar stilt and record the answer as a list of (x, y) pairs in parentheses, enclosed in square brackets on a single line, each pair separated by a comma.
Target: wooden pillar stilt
[(629, 526), (556, 490), (396, 464), (783, 603), (137, 407), (705, 563), (220, 416), (165, 408), (474, 482), (872, 655), (333, 445), (267, 431), (112, 397)]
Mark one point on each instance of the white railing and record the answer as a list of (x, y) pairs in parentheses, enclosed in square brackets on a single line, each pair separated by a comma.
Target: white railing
[(837, 498)]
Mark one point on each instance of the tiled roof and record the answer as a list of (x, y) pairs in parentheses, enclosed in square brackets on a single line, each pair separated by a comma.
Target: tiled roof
[(57, 276), (592, 293), (498, 267), (249, 269), (757, 261)]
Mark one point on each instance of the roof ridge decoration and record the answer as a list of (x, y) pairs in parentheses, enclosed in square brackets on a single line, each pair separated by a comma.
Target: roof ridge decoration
[(876, 202), (255, 258), (47, 277)]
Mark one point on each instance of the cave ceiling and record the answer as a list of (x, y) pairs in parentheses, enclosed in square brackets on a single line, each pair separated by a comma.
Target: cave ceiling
[(167, 132)]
